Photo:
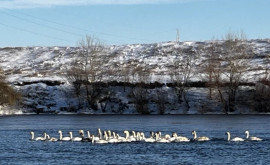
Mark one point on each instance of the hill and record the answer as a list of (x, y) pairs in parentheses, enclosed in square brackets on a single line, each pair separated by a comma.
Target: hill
[(40, 73)]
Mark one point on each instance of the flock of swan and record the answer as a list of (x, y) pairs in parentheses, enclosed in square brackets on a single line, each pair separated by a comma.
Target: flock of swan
[(113, 137)]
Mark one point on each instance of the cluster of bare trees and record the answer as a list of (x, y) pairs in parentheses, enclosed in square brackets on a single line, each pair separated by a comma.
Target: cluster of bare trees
[(8, 96), (225, 65)]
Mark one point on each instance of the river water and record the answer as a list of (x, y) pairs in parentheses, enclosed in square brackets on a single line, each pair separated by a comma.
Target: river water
[(16, 148)]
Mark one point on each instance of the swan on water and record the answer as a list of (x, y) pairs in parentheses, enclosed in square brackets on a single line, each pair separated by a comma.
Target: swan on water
[(235, 139), (38, 138), (99, 141), (76, 139), (109, 138), (120, 138), (66, 138), (149, 140), (99, 134), (160, 139), (129, 138), (202, 138), (51, 139), (180, 138), (252, 138), (86, 139)]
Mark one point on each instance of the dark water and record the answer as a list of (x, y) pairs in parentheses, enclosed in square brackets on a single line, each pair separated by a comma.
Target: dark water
[(16, 148)]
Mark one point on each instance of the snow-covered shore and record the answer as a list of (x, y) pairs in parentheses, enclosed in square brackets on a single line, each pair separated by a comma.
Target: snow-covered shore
[(39, 74)]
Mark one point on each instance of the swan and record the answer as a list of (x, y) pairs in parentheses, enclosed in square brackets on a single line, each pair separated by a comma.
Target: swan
[(152, 134), (67, 138), (120, 138), (99, 134), (252, 138), (138, 136), (81, 132), (88, 138), (202, 138), (159, 139), (236, 139), (113, 139), (180, 138), (133, 136), (99, 141), (109, 134), (169, 138), (76, 139), (149, 140), (129, 138), (38, 138), (51, 139)]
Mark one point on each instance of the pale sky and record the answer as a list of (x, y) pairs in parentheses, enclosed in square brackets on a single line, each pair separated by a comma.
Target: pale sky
[(65, 22)]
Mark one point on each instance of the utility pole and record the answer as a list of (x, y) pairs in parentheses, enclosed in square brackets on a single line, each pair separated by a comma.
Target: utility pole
[(177, 36)]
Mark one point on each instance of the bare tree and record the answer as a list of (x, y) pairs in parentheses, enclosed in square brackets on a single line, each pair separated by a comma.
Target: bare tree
[(161, 100), (231, 62), (210, 64), (262, 94), (140, 92), (86, 70), (181, 74)]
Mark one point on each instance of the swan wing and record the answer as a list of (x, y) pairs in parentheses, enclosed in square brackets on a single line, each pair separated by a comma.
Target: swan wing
[(237, 139), (77, 139), (66, 139), (255, 139), (203, 138)]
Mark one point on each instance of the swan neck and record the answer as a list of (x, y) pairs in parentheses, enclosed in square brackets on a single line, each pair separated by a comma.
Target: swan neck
[(32, 136), (247, 135), (195, 135), (60, 136), (70, 134), (127, 134), (229, 136)]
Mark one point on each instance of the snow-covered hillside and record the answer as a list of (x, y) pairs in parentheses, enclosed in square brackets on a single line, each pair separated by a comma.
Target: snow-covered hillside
[(39, 73)]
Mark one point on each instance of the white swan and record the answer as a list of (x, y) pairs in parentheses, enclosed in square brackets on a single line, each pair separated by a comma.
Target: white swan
[(202, 138), (252, 138), (148, 140), (236, 139), (180, 138), (159, 139), (66, 138), (114, 139), (38, 138), (120, 138), (76, 139), (51, 139), (99, 134), (99, 141), (129, 138)]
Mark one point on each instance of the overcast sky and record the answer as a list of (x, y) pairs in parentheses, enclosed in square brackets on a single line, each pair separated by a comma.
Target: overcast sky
[(65, 22)]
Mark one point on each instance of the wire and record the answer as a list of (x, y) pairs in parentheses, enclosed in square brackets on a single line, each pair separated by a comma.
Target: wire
[(43, 25), (69, 26), (35, 33)]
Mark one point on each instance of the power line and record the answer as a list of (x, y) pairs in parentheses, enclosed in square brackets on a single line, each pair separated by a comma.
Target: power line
[(70, 26), (43, 25), (35, 33)]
